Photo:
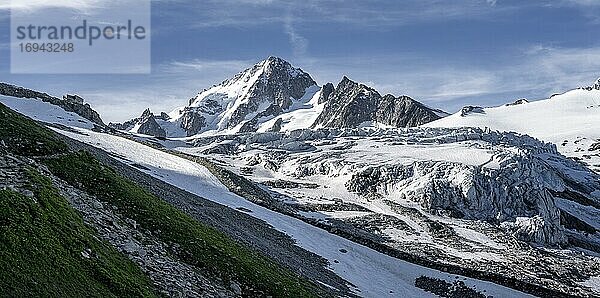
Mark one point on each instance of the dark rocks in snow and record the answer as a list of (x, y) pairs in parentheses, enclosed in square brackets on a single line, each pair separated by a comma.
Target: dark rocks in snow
[(471, 109), (595, 86), (326, 91), (443, 288), (518, 102)]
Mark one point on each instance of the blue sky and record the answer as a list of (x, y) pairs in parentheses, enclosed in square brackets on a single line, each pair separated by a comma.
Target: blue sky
[(446, 54)]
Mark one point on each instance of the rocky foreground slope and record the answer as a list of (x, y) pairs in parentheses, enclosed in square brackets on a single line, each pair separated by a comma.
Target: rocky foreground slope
[(72, 226)]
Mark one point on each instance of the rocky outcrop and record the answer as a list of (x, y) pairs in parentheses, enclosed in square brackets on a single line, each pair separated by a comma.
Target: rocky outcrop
[(471, 109), (192, 122), (145, 124), (150, 127), (595, 86), (403, 111), (518, 102), (351, 104), (70, 103)]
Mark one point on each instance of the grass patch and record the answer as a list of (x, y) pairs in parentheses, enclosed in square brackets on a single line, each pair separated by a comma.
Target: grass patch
[(41, 245), (201, 245), (22, 136)]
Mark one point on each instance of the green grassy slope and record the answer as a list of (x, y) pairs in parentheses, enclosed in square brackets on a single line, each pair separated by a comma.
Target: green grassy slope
[(41, 245), (199, 244)]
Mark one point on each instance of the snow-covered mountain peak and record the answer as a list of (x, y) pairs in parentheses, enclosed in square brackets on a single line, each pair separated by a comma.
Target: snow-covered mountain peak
[(273, 95)]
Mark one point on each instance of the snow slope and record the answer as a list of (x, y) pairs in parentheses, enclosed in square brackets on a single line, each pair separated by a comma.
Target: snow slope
[(570, 120), (45, 112), (302, 114)]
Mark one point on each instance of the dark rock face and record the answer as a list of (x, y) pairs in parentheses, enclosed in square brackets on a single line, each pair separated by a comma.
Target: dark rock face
[(192, 122), (149, 126), (350, 104), (403, 111), (70, 103), (326, 92)]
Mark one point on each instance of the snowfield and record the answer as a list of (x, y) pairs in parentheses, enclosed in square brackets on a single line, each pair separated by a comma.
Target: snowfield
[(45, 112), (570, 120)]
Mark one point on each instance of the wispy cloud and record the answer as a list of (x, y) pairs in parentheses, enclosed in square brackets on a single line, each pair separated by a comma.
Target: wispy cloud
[(373, 14), (583, 2), (298, 42)]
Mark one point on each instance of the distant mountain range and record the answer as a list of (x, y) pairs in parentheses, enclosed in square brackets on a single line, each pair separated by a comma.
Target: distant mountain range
[(275, 96)]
